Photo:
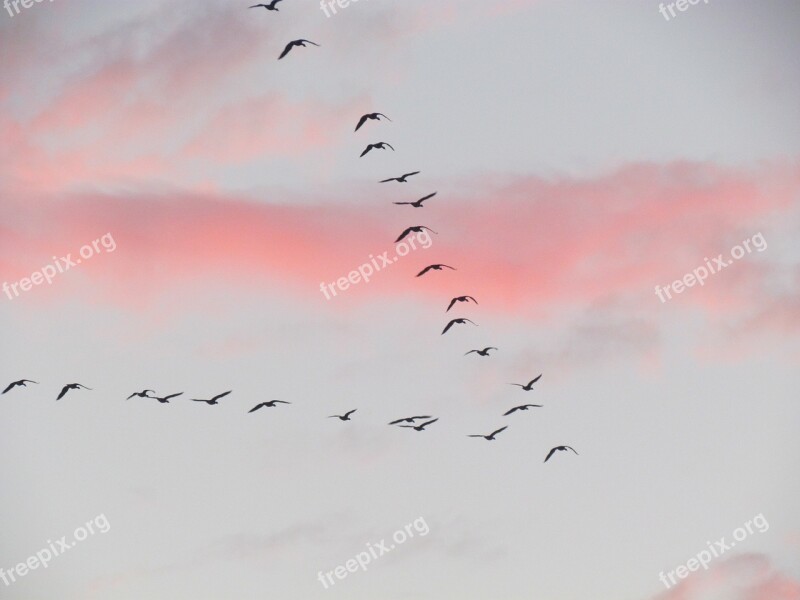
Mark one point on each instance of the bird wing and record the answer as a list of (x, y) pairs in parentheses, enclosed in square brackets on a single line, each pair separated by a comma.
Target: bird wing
[(429, 229), (470, 352), (131, 396), (398, 421), (534, 380), (390, 179), (63, 392), (286, 50), (408, 426), (172, 396), (384, 116), (534, 405), (494, 433), (425, 270), (471, 298), (571, 448), (402, 203), (517, 384), (10, 385), (452, 302), (256, 407), (505, 414), (197, 400), (367, 149), (448, 326), (427, 197), (310, 42), (404, 234), (410, 174), (428, 423), (361, 121), (390, 146), (549, 454), (473, 322), (476, 435), (222, 395), (347, 414), (281, 402), (273, 3), (449, 267)]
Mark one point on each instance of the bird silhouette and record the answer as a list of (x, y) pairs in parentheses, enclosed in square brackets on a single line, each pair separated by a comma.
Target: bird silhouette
[(460, 299), (484, 352), (417, 203), (409, 419), (345, 416), (414, 229), (71, 386), (528, 386), (166, 399), (561, 448), (458, 322), (376, 146), (436, 267), (213, 401), (421, 426), (374, 116), (490, 437), (270, 6), (292, 44), (401, 179), (522, 407), (20, 383), (270, 404), (142, 394)]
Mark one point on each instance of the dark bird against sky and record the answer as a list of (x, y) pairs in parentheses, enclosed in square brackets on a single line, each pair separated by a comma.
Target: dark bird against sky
[(166, 399), (374, 116), (71, 386), (142, 394), (270, 6), (401, 179), (436, 267), (421, 426), (490, 437), (528, 386), (460, 299), (484, 352), (558, 448), (269, 404), (213, 400), (414, 229), (457, 322), (417, 203), (409, 419), (345, 416), (522, 407), (294, 43), (376, 146), (20, 383)]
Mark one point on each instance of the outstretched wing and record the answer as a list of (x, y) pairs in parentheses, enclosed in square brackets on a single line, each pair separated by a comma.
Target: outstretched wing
[(452, 302), (10, 386), (427, 197), (448, 326), (222, 395), (549, 454), (425, 270), (404, 234), (494, 433), (470, 352), (505, 414), (367, 149), (571, 448), (286, 50), (532, 381), (348, 413), (361, 121), (428, 423), (172, 396), (256, 407)]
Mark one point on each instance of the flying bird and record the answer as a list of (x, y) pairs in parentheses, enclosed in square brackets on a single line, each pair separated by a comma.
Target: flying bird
[(374, 116), (401, 179), (490, 437), (345, 416), (213, 401), (270, 404), (71, 386), (414, 229), (434, 268), (460, 299), (409, 419), (420, 427), (377, 146), (528, 386), (523, 407), (484, 352), (270, 6), (20, 383), (417, 203), (142, 394), (166, 399), (457, 321), (294, 43), (562, 448)]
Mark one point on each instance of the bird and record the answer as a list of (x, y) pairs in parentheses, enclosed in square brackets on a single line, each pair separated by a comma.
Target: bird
[(294, 43), (409, 419), (484, 352), (528, 386), (401, 179), (270, 6), (376, 146), (142, 394), (460, 299), (553, 451), (374, 116), (270, 404), (415, 229), (490, 437), (420, 427), (213, 401), (457, 321), (20, 383), (345, 416), (436, 267), (417, 203), (523, 407), (71, 386), (166, 399)]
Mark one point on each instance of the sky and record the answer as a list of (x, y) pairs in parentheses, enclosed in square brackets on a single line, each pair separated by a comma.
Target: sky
[(193, 201)]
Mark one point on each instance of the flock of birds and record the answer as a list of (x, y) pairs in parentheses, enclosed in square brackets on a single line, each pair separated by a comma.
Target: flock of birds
[(417, 423)]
